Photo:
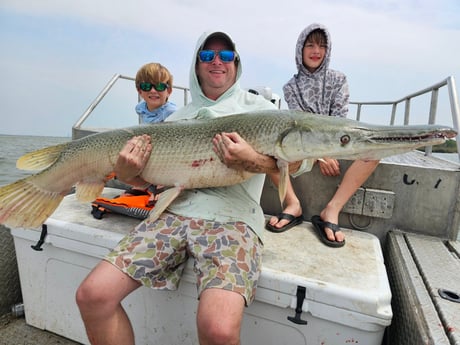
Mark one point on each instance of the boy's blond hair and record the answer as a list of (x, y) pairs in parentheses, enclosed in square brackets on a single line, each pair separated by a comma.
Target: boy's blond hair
[(154, 73)]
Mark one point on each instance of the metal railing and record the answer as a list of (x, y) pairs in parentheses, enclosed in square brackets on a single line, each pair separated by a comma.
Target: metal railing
[(78, 125), (434, 89)]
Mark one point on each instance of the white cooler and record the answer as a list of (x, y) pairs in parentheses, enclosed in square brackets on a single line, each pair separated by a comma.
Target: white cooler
[(342, 296)]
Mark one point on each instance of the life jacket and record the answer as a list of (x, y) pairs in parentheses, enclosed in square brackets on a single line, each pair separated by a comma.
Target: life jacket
[(135, 204)]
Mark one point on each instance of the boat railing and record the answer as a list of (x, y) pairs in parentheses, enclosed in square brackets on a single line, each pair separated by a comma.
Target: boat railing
[(77, 127), (434, 90)]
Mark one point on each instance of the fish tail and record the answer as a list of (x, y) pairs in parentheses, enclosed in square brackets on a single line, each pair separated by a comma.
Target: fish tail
[(23, 204)]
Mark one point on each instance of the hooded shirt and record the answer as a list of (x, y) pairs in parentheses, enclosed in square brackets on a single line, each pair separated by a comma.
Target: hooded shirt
[(232, 203), (157, 115), (324, 91)]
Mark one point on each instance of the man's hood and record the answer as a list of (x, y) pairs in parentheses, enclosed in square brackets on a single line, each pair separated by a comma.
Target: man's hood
[(195, 89)]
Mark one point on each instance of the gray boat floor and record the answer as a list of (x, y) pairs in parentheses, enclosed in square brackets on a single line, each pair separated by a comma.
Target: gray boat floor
[(15, 331)]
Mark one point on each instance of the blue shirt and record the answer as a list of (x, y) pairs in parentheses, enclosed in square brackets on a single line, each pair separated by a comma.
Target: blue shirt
[(157, 115)]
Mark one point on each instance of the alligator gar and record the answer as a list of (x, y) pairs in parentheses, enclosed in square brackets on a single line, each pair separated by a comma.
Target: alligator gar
[(183, 155)]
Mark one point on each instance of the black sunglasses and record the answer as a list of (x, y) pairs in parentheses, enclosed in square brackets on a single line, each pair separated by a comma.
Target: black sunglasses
[(158, 87)]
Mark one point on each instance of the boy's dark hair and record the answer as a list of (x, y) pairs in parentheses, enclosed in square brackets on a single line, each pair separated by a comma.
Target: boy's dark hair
[(317, 36)]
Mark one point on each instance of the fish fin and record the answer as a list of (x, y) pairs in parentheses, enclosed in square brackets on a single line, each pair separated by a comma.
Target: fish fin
[(40, 159), (88, 191), (284, 179), (23, 204), (166, 198)]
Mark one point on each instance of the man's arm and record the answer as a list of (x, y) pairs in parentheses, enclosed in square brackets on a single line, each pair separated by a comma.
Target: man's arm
[(236, 153)]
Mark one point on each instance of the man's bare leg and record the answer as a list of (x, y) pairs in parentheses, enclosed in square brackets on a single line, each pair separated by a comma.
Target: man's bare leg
[(219, 317), (99, 300)]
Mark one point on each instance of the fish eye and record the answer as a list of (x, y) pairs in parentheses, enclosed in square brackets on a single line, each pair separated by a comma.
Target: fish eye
[(345, 139)]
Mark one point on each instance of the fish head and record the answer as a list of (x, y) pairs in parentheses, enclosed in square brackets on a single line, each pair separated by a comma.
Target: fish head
[(318, 136)]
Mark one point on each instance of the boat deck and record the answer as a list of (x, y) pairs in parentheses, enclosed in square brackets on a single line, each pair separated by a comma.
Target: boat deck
[(425, 289), (15, 331)]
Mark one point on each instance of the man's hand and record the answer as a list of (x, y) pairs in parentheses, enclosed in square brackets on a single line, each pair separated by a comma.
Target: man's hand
[(236, 153), (132, 159)]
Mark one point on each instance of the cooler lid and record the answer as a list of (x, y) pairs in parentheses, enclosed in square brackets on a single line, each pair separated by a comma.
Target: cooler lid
[(351, 278)]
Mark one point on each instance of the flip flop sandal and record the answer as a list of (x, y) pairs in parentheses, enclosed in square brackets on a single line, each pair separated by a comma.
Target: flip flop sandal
[(319, 225), (293, 221)]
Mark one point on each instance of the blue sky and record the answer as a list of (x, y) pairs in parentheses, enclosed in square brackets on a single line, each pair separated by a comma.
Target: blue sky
[(58, 55)]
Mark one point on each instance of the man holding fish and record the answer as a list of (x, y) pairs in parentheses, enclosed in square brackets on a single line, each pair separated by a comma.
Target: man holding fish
[(221, 228)]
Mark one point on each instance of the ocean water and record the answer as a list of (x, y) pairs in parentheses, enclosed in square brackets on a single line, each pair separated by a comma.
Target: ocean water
[(14, 146)]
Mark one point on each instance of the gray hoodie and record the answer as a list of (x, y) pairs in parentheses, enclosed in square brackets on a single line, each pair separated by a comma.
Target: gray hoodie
[(325, 91)]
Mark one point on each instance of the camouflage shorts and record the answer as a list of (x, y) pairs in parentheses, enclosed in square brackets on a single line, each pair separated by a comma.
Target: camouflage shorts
[(226, 255)]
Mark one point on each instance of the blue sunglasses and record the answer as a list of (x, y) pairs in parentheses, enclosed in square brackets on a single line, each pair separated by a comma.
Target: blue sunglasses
[(224, 55)]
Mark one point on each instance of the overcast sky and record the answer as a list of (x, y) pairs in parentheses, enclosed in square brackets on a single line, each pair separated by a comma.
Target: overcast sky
[(56, 56)]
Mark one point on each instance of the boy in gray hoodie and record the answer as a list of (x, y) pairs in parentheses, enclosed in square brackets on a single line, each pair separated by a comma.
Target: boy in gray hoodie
[(318, 89)]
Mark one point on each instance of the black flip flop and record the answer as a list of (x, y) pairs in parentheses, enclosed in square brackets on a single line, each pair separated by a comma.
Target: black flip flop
[(293, 221), (319, 225)]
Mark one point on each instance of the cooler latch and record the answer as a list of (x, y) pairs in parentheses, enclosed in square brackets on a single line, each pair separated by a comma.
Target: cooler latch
[(298, 309), (38, 246)]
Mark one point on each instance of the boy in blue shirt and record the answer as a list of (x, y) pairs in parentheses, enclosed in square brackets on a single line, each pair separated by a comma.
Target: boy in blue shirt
[(154, 84)]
